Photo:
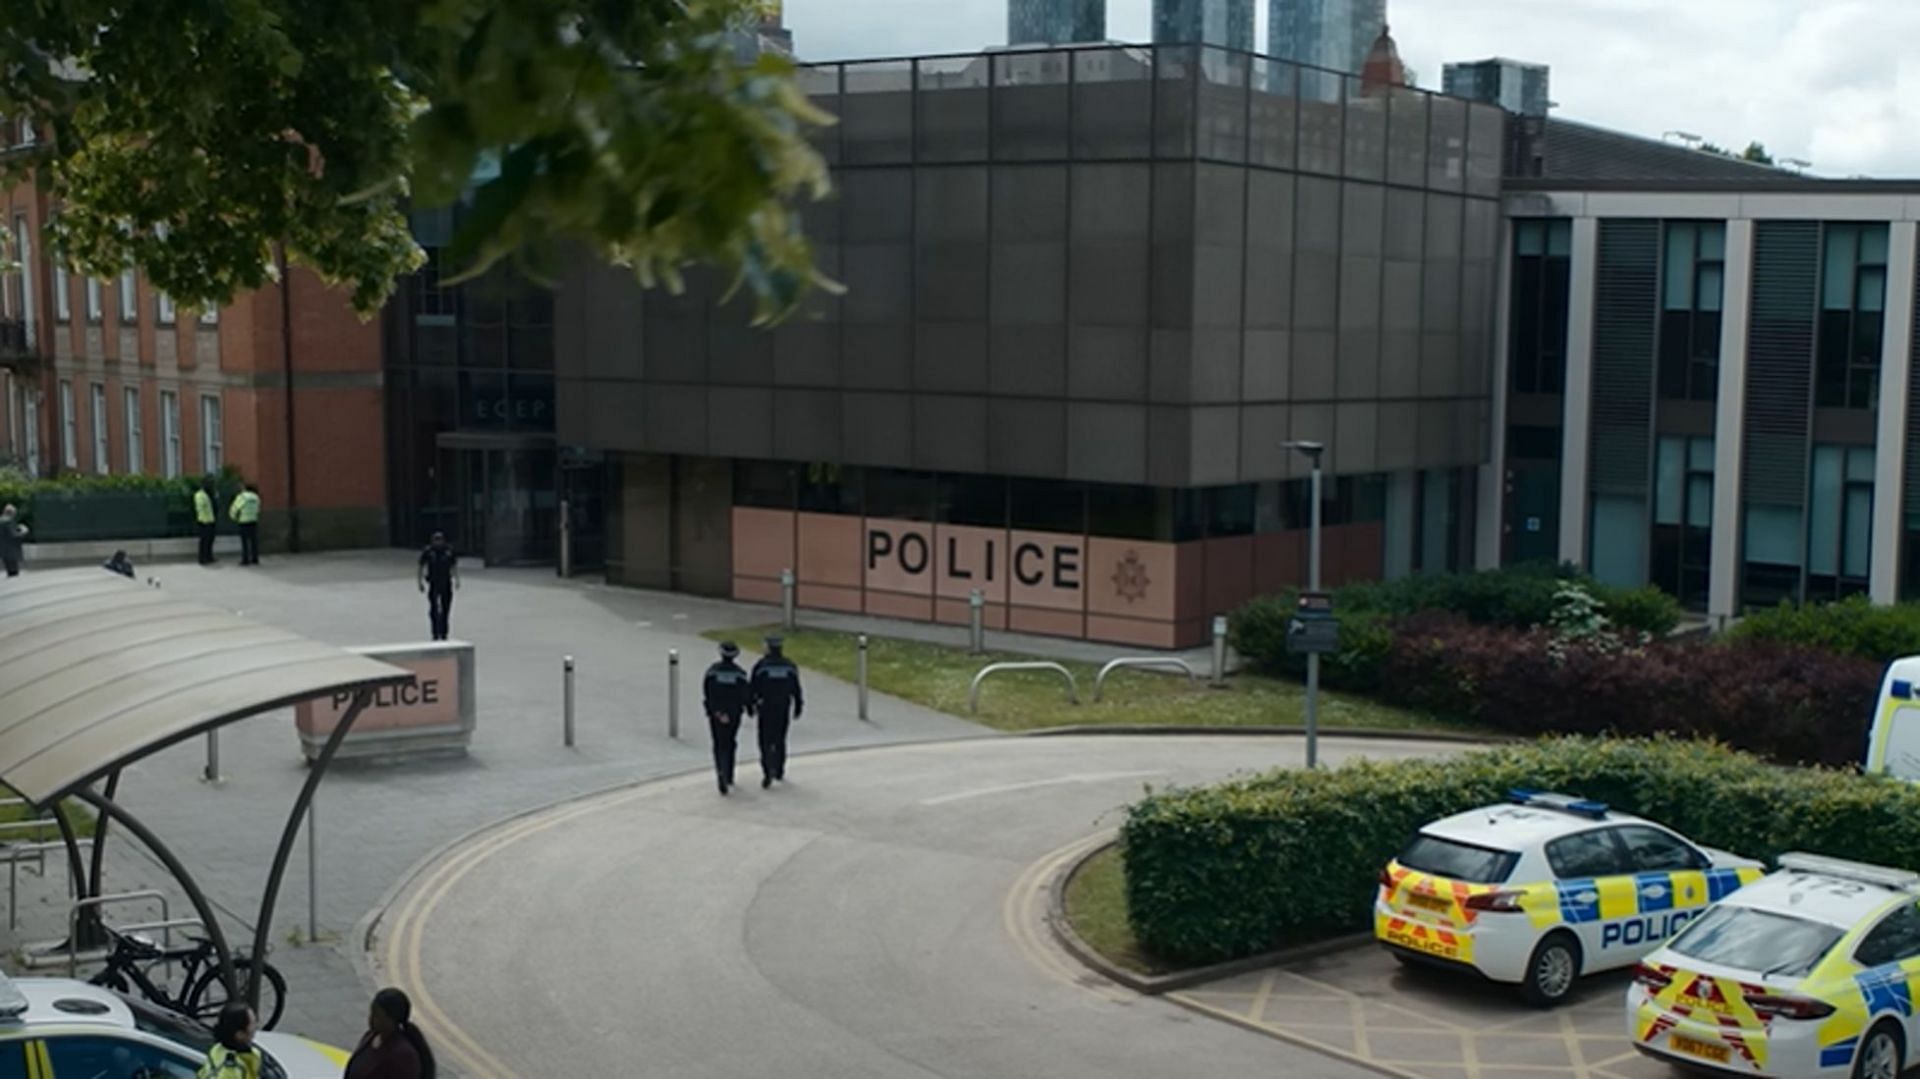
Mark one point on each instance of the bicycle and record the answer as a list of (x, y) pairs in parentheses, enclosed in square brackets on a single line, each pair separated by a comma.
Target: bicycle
[(131, 964)]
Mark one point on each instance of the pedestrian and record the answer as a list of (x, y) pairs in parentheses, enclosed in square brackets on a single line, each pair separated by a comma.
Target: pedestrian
[(439, 576), (776, 700), (392, 1047), (12, 533), (203, 519), (727, 693), (245, 512), (232, 1054), (120, 564)]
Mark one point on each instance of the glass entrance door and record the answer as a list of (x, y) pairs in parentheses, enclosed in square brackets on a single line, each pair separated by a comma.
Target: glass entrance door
[(503, 501)]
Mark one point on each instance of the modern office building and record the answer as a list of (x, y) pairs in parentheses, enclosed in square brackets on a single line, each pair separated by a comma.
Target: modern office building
[(1334, 34), (1056, 22), (1224, 23), (110, 377), (1514, 86), (1090, 295)]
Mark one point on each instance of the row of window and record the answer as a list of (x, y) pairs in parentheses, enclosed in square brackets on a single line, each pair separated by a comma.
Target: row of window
[(133, 430), (163, 309)]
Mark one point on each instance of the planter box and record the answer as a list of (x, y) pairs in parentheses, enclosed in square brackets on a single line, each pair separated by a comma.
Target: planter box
[(432, 715)]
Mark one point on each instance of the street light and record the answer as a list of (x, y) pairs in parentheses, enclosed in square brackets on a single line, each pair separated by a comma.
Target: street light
[(1692, 140), (1797, 164), (1312, 452)]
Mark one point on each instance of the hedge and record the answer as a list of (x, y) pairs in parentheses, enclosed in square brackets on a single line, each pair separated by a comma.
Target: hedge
[(1852, 627), (1518, 597), (1792, 704), (1221, 872), (152, 505)]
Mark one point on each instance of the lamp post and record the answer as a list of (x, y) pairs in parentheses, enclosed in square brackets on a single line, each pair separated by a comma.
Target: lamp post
[(1312, 452)]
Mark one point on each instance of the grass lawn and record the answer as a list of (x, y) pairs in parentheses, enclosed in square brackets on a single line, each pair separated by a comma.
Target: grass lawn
[(76, 811), (1097, 910), (937, 676)]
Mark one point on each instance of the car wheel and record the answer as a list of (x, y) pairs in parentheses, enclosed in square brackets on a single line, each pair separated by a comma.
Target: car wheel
[(1551, 971), (1882, 1053)]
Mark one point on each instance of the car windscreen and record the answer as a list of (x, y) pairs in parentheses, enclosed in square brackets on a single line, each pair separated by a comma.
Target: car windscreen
[(188, 1034), (1757, 940), (1457, 861)]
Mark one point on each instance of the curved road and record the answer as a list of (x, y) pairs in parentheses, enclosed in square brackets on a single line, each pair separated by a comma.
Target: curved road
[(878, 916)]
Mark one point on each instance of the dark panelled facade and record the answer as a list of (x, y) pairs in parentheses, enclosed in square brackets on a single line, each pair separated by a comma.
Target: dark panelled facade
[(1625, 305), (1786, 273)]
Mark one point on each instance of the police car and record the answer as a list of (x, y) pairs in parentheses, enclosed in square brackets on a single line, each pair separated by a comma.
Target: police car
[(1545, 888), (1809, 972), (59, 1028)]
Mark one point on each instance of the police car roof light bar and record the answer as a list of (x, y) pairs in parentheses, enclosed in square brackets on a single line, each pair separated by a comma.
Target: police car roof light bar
[(1861, 872), (1565, 803)]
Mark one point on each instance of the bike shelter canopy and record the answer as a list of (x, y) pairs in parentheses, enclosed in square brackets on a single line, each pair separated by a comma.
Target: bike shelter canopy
[(97, 671)]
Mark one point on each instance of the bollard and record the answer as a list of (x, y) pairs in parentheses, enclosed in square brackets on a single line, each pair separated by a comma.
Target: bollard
[(977, 615), (1219, 650), (566, 544), (673, 693), (786, 599), (566, 698), (313, 874), (862, 675), (213, 756)]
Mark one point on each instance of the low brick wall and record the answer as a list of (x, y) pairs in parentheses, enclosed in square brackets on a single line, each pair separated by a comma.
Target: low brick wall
[(142, 551)]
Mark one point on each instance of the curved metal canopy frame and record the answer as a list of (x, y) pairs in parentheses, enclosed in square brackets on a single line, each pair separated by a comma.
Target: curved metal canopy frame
[(98, 672)]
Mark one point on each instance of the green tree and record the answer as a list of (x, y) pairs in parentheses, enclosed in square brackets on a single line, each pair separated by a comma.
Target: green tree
[(190, 137), (1756, 152)]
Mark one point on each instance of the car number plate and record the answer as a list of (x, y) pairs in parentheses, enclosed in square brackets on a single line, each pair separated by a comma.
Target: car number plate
[(1430, 902), (1719, 1054)]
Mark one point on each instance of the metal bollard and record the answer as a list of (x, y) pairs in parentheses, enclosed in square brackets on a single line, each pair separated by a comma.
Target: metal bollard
[(1219, 649), (862, 675), (566, 543), (213, 756), (786, 599), (566, 698), (977, 614), (673, 693), (313, 873)]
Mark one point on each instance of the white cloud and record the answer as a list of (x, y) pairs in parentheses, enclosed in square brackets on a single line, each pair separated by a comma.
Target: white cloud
[(1833, 81)]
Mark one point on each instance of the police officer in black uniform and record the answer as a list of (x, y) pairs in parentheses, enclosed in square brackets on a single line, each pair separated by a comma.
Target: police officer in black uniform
[(439, 576), (777, 699), (727, 693)]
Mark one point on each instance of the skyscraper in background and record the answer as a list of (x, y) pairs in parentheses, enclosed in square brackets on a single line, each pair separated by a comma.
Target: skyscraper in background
[(1055, 22), (1332, 34), (1514, 86), (1227, 23)]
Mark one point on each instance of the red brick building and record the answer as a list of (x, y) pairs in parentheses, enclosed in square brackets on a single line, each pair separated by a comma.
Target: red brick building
[(110, 377)]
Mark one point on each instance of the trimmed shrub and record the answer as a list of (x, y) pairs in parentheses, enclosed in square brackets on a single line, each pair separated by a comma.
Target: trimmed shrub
[(149, 505), (1792, 704), (1852, 627), (1258, 631), (1220, 872)]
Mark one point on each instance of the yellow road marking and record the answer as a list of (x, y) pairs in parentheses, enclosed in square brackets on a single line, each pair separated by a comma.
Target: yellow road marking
[(1023, 916)]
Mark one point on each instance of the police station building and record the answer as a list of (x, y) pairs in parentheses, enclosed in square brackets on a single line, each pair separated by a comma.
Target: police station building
[(1092, 292)]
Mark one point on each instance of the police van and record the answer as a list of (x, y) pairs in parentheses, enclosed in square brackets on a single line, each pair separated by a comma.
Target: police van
[(1543, 888), (1893, 746)]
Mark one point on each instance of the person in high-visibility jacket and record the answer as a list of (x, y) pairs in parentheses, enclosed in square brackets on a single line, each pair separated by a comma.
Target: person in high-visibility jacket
[(232, 1054), (203, 519), (245, 512)]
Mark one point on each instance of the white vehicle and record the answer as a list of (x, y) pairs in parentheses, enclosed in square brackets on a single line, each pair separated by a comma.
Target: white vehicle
[(1545, 888), (1809, 972), (59, 1028), (1893, 746)]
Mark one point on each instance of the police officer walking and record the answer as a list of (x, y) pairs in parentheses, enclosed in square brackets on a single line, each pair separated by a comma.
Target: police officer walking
[(777, 700), (12, 533), (203, 519), (727, 693), (439, 576), (245, 512)]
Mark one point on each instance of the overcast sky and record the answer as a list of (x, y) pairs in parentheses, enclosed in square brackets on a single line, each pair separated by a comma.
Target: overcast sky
[(1834, 81)]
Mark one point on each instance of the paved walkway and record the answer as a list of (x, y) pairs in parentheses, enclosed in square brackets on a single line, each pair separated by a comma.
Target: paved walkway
[(376, 822)]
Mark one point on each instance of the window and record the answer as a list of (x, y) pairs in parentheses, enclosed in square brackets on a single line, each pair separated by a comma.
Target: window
[(1542, 271), (163, 308), (170, 431), (104, 1056), (1896, 938), (210, 433), (129, 299), (69, 435), (210, 316), (1683, 518), (30, 430), (1457, 861), (1652, 850), (23, 253), (1693, 288), (1839, 521), (97, 406), (1749, 939), (1588, 854), (136, 431), (93, 299), (1853, 302), (62, 300)]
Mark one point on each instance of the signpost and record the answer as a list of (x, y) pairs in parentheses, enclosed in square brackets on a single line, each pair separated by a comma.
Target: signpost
[(1313, 632)]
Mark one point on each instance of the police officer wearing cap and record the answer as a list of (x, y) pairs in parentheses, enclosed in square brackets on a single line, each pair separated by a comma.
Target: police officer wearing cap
[(777, 700), (727, 693)]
